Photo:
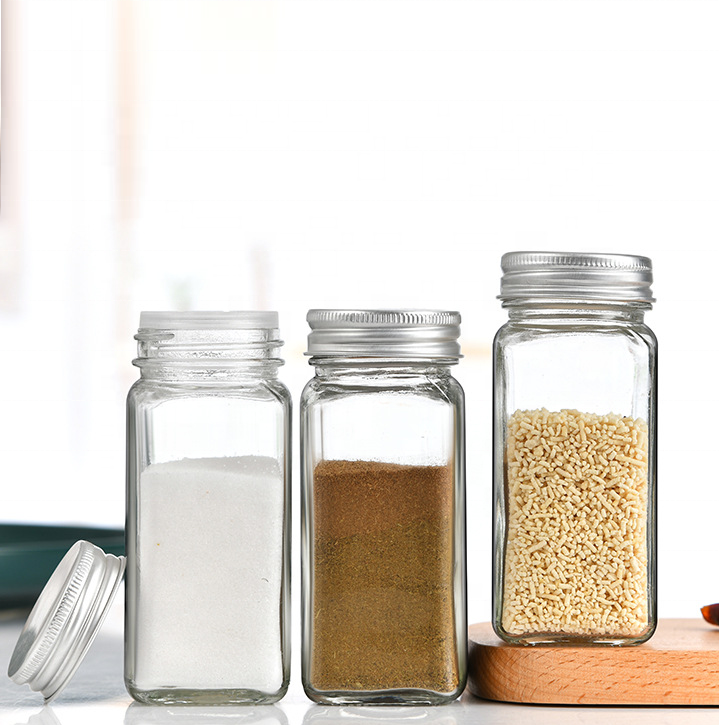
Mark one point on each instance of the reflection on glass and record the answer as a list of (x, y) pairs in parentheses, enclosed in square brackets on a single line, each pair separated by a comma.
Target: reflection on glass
[(449, 714), (137, 714)]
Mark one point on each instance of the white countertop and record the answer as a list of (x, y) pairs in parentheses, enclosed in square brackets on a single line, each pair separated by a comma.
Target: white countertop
[(96, 695)]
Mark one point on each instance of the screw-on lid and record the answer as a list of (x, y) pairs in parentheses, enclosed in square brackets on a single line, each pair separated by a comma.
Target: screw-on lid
[(559, 275), (65, 619), (384, 333)]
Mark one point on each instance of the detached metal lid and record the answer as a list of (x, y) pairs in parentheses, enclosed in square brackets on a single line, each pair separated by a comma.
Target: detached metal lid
[(559, 275), (408, 334), (65, 619)]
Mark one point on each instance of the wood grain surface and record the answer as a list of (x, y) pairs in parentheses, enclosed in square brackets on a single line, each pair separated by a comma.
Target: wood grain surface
[(678, 666)]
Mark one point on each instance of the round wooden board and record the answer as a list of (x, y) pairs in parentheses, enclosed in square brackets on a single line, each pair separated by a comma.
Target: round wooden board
[(678, 666)]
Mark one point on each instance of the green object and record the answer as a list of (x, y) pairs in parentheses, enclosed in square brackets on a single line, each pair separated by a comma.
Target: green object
[(29, 554)]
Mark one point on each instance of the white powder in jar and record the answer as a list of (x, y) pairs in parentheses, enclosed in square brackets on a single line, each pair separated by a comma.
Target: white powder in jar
[(209, 556)]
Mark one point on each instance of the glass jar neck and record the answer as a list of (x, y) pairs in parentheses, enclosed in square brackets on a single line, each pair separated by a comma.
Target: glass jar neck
[(205, 372), (326, 367), (528, 310), (208, 355)]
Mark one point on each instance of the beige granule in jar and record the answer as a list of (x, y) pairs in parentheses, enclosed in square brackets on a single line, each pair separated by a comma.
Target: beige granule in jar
[(576, 550)]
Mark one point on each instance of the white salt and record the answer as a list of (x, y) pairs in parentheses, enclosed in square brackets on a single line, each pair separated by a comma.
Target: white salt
[(210, 574)]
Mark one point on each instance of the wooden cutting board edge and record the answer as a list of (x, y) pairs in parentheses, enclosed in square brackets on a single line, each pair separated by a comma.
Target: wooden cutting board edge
[(678, 666)]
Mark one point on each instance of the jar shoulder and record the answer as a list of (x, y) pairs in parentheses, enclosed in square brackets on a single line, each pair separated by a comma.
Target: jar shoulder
[(433, 387), (153, 393), (517, 333)]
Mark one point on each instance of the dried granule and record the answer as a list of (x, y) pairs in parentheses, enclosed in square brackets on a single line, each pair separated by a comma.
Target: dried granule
[(576, 547)]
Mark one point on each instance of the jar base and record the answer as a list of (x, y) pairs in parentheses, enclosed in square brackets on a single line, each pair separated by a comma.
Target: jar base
[(181, 696), (381, 697), (565, 639)]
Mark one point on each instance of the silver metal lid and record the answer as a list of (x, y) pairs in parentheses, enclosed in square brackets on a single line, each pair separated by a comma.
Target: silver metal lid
[(384, 333), (65, 619), (559, 275)]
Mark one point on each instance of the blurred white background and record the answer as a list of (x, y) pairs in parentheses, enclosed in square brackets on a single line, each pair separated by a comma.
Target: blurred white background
[(287, 154)]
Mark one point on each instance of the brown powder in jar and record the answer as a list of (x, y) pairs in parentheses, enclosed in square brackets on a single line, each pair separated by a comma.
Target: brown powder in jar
[(383, 607)]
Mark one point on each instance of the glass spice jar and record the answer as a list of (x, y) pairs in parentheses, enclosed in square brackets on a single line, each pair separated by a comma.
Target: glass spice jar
[(207, 539), (383, 533), (575, 451)]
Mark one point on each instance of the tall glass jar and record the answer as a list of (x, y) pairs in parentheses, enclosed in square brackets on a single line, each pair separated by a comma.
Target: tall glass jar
[(575, 451), (207, 536), (383, 533)]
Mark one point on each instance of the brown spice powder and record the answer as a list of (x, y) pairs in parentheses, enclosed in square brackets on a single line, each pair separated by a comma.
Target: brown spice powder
[(383, 596)]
